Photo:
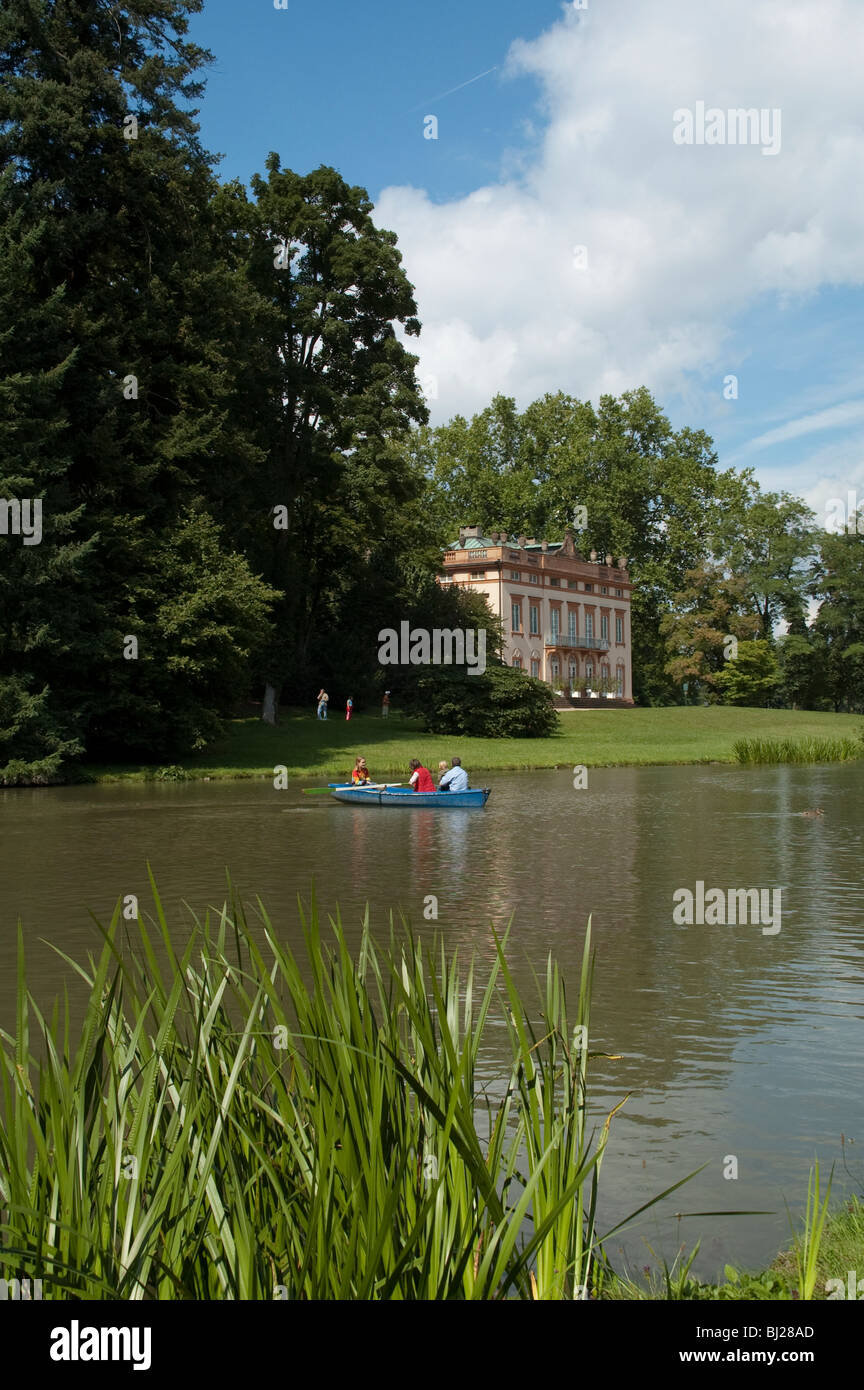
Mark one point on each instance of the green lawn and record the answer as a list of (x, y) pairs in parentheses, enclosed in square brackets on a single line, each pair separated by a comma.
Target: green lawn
[(313, 748)]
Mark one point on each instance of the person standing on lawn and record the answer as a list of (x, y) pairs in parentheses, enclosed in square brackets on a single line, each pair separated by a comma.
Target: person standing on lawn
[(349, 707), (385, 705), (323, 701)]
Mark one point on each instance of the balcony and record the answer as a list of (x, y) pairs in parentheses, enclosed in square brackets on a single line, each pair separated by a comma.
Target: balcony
[(590, 644)]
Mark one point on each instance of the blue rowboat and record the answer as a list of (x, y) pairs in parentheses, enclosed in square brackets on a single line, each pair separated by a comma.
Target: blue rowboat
[(404, 796)]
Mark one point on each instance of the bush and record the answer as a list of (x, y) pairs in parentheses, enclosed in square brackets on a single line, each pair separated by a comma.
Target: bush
[(501, 703)]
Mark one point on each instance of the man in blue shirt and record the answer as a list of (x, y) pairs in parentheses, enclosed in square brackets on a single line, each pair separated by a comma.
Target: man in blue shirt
[(456, 780)]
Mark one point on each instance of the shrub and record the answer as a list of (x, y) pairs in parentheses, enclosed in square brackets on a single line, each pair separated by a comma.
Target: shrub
[(501, 703)]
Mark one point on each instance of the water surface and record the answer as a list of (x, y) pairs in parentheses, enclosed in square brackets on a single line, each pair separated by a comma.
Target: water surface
[(733, 1042)]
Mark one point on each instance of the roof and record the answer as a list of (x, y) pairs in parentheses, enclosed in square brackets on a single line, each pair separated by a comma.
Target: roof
[(486, 542)]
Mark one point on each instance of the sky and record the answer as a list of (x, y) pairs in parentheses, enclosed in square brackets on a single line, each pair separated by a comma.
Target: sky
[(584, 214)]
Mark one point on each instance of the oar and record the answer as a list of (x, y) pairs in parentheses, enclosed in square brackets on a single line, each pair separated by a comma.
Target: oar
[(320, 791)]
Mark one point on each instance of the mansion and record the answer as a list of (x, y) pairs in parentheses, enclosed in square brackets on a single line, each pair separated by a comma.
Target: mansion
[(566, 620)]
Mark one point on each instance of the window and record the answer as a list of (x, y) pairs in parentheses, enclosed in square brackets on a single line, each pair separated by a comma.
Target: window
[(574, 673), (619, 629), (589, 673), (555, 583), (619, 680), (516, 616), (572, 583), (571, 626), (603, 589), (554, 620), (589, 588), (604, 627), (517, 660), (514, 574), (534, 578), (479, 574), (589, 626), (619, 593), (556, 672), (535, 668), (534, 620)]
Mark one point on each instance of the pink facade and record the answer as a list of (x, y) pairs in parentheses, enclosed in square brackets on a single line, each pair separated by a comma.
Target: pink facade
[(565, 619)]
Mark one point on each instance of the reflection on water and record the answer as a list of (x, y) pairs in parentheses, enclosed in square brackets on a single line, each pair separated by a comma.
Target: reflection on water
[(732, 1042)]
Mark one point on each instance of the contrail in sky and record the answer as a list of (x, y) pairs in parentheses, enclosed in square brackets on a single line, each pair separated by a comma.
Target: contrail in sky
[(442, 95)]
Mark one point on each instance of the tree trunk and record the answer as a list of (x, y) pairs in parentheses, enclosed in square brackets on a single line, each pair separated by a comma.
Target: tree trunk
[(270, 708)]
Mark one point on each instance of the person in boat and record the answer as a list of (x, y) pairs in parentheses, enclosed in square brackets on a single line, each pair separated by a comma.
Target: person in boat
[(456, 780), (421, 778), (360, 776)]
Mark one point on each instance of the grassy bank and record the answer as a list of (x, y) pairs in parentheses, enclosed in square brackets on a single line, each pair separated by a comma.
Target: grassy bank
[(840, 1251), (315, 749)]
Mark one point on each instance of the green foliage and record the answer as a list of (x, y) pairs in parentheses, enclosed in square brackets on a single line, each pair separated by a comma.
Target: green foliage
[(28, 728), (113, 266), (838, 632), (798, 750), (233, 1123), (750, 677), (198, 614), (501, 703), (808, 1243), (705, 613)]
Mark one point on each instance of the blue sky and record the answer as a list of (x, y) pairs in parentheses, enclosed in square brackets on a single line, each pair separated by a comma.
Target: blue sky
[(700, 262)]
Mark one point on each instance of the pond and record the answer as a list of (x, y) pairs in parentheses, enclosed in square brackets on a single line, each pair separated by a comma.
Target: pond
[(736, 1042)]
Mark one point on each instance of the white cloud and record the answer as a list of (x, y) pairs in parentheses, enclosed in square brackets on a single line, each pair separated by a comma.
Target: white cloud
[(836, 417), (680, 238)]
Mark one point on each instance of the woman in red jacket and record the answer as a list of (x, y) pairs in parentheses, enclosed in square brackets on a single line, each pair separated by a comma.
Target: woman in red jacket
[(421, 777)]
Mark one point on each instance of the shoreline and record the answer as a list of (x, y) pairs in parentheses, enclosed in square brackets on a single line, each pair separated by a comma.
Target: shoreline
[(305, 748)]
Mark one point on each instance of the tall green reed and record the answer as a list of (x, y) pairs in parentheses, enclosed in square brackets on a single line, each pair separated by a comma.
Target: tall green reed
[(798, 750), (231, 1124)]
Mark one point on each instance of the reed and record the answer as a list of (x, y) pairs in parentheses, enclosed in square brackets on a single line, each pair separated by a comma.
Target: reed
[(232, 1125), (798, 750)]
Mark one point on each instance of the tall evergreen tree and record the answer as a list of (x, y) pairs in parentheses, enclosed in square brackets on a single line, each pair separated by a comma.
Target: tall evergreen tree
[(119, 363)]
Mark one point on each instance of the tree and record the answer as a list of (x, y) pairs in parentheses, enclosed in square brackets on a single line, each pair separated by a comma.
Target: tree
[(341, 396), (772, 541), (838, 630), (750, 677), (706, 623), (121, 336)]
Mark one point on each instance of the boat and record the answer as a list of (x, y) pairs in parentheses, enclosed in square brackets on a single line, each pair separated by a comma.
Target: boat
[(383, 795)]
